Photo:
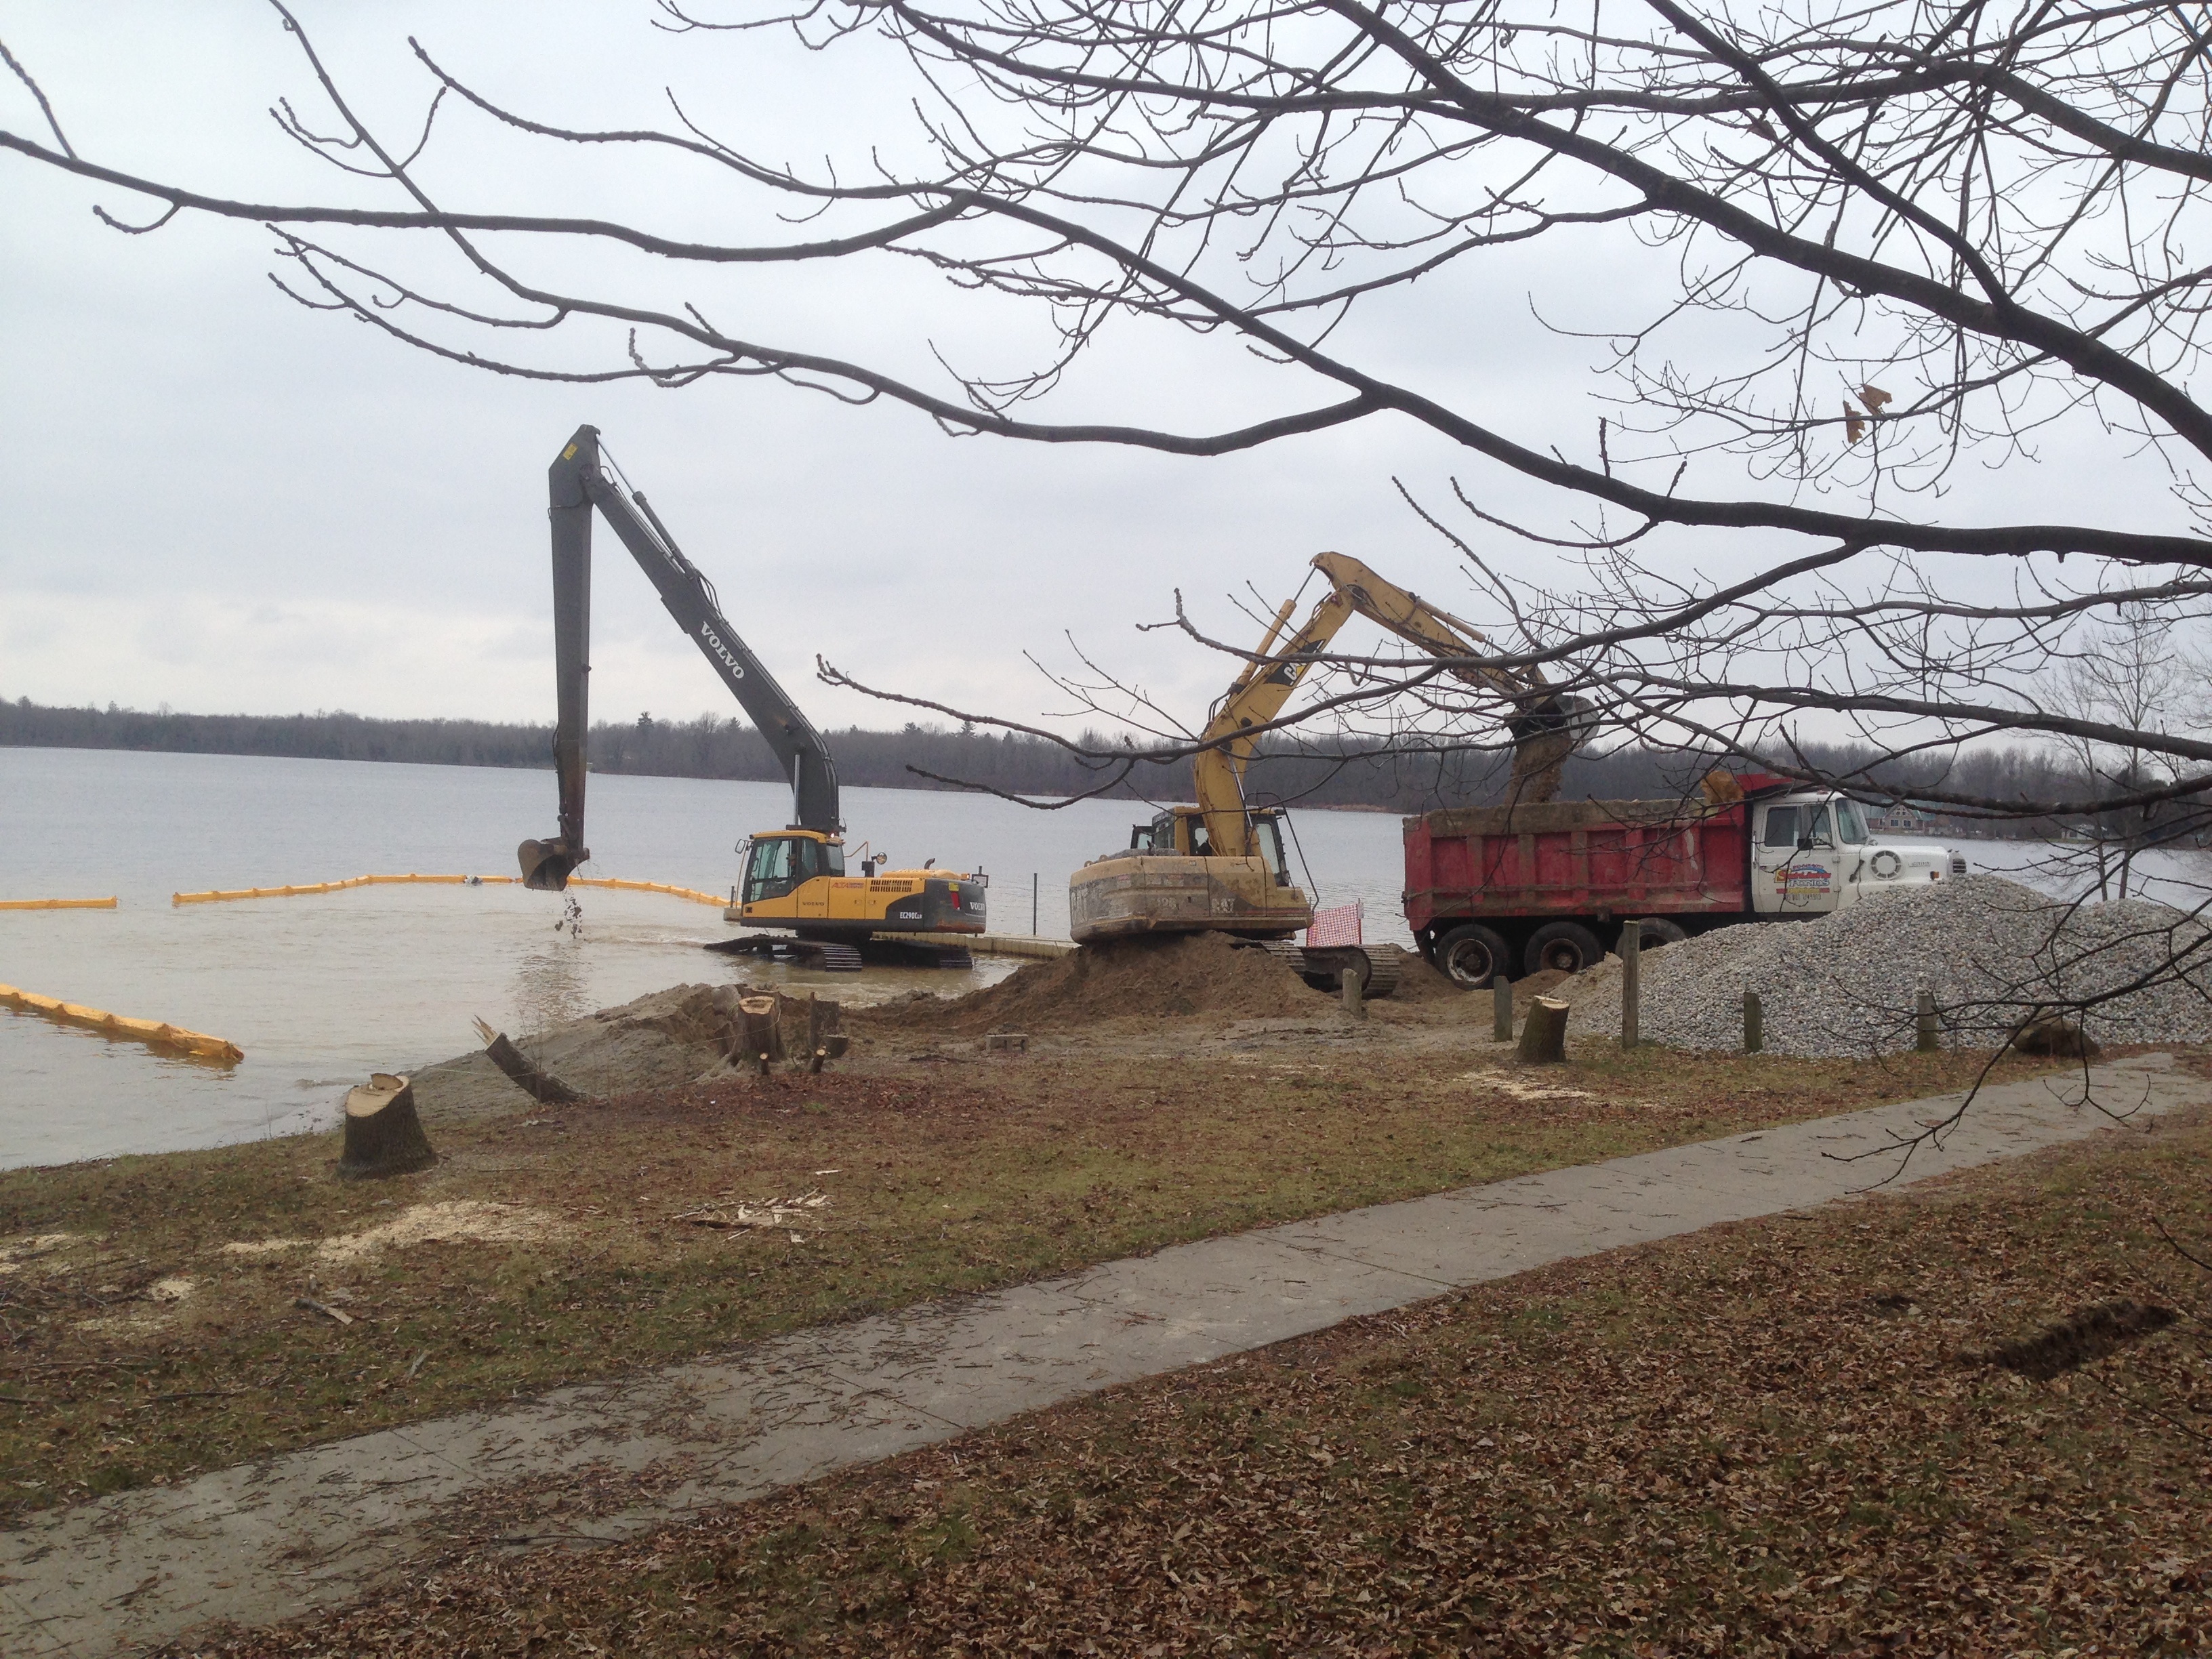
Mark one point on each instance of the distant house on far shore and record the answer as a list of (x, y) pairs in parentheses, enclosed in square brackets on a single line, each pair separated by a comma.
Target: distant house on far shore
[(1900, 820)]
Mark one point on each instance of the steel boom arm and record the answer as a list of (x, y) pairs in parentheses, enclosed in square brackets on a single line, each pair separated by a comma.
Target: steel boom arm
[(1545, 725), (577, 483)]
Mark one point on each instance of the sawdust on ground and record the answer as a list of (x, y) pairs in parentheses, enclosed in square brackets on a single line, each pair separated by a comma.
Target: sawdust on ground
[(459, 1220), (1178, 976)]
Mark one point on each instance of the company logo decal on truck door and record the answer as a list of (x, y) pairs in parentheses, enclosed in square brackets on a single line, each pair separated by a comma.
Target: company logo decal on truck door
[(1803, 881)]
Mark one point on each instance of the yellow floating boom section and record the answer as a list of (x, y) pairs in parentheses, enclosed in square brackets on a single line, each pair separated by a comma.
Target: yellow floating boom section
[(115, 1026), (57, 904), (691, 893), (302, 891)]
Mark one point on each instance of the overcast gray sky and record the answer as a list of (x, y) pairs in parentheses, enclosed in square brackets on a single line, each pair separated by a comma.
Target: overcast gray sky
[(220, 501)]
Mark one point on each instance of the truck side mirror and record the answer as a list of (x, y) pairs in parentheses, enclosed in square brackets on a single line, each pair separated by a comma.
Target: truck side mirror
[(1804, 843)]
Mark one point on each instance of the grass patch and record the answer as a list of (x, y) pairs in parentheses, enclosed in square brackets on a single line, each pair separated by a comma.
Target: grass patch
[(1782, 1466), (137, 1344)]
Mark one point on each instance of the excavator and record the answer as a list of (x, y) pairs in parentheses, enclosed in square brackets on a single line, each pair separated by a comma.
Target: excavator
[(794, 879), (1217, 865)]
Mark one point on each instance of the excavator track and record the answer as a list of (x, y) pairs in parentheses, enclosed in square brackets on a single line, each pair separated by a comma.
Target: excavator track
[(822, 954), (1324, 968)]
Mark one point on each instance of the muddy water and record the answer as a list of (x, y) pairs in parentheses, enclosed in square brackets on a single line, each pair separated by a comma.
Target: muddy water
[(319, 990)]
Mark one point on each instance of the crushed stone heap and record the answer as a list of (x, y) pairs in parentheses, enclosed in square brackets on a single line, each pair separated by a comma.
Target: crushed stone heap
[(1990, 949)]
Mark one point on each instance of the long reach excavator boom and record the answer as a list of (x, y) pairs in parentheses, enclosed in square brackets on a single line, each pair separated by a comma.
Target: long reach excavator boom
[(793, 880), (578, 482)]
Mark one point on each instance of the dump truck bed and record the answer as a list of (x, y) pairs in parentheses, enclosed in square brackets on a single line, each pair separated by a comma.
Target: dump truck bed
[(1592, 857)]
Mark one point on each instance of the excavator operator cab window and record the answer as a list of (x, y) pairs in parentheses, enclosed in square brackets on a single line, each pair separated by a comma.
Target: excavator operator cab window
[(1158, 836), (1269, 832), (774, 868), (833, 857)]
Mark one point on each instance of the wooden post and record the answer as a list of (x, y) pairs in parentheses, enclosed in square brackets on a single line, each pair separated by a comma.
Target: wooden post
[(1501, 1010), (1354, 984), (1631, 981), (1928, 1037), (1544, 1033), (1755, 1023)]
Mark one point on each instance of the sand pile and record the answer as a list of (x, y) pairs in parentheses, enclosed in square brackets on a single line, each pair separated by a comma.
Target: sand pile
[(1172, 976)]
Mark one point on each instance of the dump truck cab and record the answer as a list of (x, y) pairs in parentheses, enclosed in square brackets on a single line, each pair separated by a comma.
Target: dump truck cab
[(1813, 853)]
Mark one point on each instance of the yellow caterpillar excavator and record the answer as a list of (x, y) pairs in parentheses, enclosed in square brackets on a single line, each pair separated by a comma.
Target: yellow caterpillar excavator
[(1217, 865), (795, 879)]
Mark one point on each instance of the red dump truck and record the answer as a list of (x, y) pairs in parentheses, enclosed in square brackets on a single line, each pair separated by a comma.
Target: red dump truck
[(1496, 889)]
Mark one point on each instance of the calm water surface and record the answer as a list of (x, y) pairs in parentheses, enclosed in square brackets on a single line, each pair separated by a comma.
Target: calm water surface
[(321, 991)]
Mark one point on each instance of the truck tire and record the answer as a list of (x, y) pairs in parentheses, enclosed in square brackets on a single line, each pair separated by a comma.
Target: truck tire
[(1566, 946), (1663, 930), (1471, 956)]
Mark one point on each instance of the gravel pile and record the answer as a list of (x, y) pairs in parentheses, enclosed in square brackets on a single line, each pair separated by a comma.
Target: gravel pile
[(1989, 949)]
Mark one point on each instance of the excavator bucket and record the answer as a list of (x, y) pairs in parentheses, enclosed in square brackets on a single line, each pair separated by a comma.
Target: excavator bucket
[(546, 864)]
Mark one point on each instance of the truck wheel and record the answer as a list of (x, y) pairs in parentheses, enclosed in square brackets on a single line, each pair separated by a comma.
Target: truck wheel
[(1567, 946), (1472, 956), (1661, 930)]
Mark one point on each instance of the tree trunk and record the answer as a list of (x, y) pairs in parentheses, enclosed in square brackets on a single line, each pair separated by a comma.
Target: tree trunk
[(1544, 1032), (383, 1135), (541, 1086)]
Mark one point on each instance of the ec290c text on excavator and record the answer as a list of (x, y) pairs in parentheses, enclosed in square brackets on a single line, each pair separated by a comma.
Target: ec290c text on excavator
[(794, 879)]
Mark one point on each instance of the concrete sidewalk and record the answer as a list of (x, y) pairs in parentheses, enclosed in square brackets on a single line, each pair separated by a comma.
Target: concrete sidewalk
[(269, 1540)]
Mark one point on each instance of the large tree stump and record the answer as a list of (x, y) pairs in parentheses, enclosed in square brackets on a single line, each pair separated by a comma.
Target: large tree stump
[(1544, 1032), (383, 1134), (760, 1033)]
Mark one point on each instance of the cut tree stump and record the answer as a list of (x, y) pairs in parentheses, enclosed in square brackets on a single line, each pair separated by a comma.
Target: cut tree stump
[(383, 1134), (1544, 1032), (760, 1033)]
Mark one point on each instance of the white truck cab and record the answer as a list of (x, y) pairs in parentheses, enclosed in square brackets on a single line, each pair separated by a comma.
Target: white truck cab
[(1813, 854)]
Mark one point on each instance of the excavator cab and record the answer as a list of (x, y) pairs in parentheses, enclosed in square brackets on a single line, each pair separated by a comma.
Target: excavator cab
[(777, 866), (1182, 831)]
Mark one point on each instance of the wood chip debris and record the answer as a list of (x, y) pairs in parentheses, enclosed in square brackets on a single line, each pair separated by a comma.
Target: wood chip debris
[(324, 1308), (778, 1213)]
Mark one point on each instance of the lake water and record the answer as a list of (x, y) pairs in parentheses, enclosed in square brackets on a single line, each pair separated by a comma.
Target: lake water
[(319, 990)]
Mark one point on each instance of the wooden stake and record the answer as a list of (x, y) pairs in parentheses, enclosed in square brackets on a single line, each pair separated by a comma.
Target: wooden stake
[(1501, 1009), (1631, 981)]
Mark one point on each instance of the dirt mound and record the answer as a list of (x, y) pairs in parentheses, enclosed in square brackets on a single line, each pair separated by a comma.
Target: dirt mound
[(1173, 976), (661, 1041), (1418, 983)]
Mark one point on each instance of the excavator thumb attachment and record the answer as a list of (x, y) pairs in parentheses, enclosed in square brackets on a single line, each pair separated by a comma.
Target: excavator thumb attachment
[(546, 864)]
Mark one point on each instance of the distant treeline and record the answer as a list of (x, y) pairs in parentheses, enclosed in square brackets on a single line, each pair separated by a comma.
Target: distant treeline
[(1312, 772)]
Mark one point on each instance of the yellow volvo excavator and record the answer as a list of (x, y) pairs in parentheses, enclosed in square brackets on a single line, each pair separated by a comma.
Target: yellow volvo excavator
[(794, 879), (1217, 865)]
